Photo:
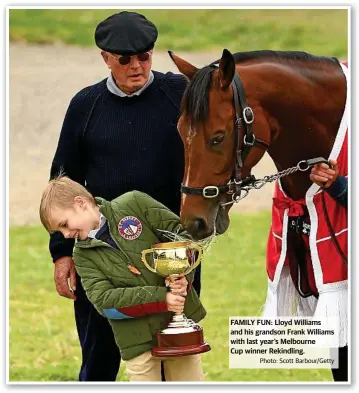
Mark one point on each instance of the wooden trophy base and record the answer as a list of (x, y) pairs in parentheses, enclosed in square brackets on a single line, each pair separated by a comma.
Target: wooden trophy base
[(188, 342)]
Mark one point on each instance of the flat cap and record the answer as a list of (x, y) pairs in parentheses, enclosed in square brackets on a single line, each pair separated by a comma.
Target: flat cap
[(126, 33)]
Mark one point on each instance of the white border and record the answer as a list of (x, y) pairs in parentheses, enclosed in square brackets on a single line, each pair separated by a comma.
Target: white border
[(116, 5)]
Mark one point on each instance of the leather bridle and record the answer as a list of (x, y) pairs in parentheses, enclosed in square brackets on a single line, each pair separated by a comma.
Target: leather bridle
[(235, 183)]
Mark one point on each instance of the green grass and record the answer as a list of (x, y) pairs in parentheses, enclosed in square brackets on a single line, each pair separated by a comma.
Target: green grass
[(43, 338), (321, 32)]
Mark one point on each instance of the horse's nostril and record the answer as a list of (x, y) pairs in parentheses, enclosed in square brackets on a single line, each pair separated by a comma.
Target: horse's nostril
[(199, 225)]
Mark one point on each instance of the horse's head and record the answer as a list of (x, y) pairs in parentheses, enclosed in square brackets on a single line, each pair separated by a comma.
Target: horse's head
[(213, 129)]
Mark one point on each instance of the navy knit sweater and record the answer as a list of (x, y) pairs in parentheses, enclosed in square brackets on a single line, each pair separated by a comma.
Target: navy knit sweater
[(115, 144)]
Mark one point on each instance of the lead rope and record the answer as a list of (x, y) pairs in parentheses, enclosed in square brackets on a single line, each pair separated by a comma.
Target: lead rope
[(256, 184), (302, 166)]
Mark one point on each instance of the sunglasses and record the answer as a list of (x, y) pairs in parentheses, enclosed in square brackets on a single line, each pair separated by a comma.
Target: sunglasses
[(124, 60)]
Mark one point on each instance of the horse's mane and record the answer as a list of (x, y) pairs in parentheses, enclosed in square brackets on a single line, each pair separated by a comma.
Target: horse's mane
[(196, 97), (281, 55)]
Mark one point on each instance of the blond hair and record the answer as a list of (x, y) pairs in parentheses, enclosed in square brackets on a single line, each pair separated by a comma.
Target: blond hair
[(60, 192)]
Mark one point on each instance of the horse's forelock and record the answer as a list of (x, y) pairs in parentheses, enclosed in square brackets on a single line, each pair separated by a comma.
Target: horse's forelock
[(196, 97)]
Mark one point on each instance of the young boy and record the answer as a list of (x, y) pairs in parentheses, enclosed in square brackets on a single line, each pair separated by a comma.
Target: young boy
[(107, 255)]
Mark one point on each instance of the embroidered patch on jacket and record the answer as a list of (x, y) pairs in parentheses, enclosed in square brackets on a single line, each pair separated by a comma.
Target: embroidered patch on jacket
[(130, 228)]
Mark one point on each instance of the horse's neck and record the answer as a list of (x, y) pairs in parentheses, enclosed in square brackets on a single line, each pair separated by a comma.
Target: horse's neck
[(304, 119)]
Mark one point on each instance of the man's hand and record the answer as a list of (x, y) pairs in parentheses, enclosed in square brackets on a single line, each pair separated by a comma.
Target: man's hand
[(175, 303), (65, 270), (178, 284), (323, 176)]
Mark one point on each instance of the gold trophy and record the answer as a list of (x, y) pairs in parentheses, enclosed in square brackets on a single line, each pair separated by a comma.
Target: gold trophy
[(182, 336)]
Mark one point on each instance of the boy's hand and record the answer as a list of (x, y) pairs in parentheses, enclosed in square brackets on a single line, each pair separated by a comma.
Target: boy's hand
[(64, 270), (178, 284), (322, 175), (175, 303)]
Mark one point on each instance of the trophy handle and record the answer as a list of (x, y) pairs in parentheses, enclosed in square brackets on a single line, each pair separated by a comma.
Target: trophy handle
[(200, 254), (143, 257)]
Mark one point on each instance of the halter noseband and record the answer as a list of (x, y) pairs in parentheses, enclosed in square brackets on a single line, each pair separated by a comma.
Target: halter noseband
[(234, 184)]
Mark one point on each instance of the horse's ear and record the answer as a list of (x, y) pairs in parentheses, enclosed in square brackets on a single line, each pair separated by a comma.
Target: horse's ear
[(183, 66), (227, 68)]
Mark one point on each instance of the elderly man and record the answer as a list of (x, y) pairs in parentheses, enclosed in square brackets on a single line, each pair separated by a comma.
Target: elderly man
[(118, 135)]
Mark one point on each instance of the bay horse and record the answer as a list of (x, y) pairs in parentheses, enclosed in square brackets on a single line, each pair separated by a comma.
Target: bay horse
[(297, 101), (292, 105)]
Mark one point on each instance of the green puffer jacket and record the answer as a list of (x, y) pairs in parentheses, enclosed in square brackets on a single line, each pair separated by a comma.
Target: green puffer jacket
[(135, 304)]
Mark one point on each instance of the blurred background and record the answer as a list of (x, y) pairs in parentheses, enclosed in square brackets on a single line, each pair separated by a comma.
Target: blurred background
[(52, 57)]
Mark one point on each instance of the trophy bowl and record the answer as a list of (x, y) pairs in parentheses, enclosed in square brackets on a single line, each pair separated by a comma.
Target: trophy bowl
[(182, 337)]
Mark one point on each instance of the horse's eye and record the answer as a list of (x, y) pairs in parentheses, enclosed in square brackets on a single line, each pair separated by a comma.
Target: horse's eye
[(217, 140)]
